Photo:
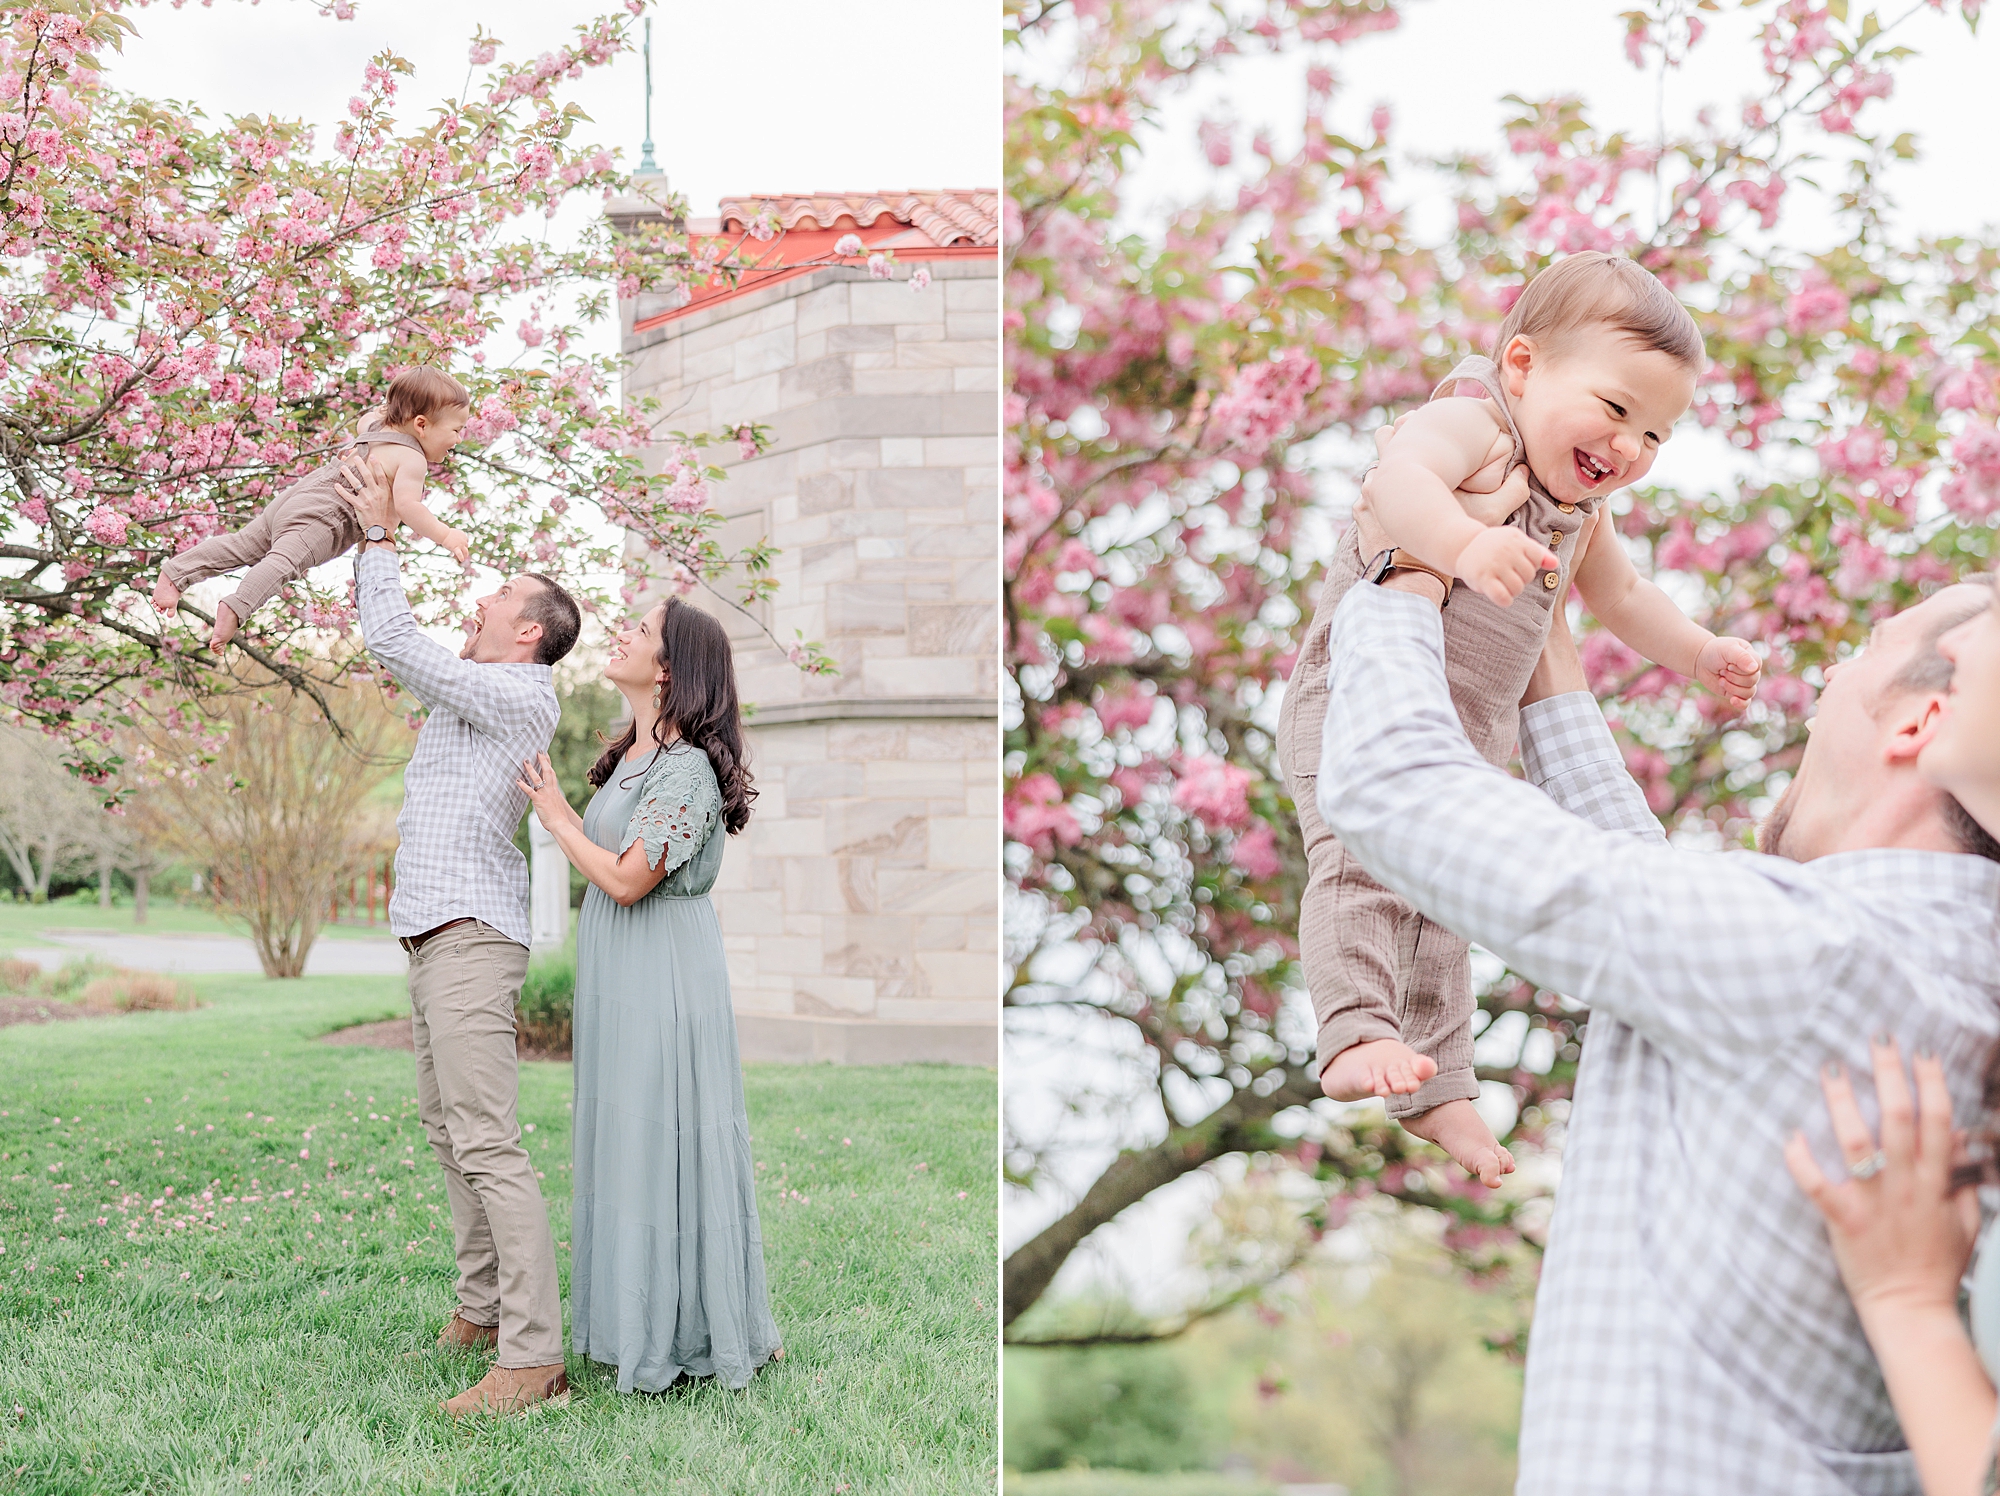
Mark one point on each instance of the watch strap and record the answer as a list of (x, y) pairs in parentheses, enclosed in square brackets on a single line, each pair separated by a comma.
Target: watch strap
[(1398, 559)]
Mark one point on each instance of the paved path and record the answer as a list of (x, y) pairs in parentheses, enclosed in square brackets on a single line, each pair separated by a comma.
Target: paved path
[(199, 955)]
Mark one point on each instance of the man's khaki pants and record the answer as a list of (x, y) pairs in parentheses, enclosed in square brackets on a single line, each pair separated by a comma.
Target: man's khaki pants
[(464, 984)]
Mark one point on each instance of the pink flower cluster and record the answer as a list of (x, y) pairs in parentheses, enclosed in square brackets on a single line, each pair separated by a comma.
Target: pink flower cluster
[(1035, 815), (1973, 490), (1215, 792), (1264, 402)]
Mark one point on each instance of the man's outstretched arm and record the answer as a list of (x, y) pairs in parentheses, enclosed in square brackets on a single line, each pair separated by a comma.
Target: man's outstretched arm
[(1693, 949), (496, 702)]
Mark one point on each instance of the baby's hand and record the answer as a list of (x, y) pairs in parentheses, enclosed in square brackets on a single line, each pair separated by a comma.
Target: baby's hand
[(459, 544), (1729, 668), (1498, 562)]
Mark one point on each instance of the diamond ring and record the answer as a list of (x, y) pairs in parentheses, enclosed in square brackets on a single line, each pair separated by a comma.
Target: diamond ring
[(1867, 1168)]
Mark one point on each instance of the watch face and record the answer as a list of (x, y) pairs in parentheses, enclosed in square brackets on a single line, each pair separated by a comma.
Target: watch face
[(376, 532)]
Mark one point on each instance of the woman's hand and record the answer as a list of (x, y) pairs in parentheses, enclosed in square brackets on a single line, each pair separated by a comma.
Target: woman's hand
[(538, 781), (1901, 1234)]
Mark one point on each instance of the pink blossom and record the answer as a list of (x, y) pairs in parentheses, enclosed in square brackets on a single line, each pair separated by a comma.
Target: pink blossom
[(106, 525), (1973, 492), (878, 266), (530, 333), (746, 442), (847, 244), (1125, 709), (1035, 815), (1256, 853), (919, 278), (1215, 142), (1214, 791), (1266, 399), (1964, 389), (1817, 306), (482, 53)]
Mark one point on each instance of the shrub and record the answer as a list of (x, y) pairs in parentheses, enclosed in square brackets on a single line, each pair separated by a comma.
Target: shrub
[(138, 992), (548, 997), (67, 981), (17, 975)]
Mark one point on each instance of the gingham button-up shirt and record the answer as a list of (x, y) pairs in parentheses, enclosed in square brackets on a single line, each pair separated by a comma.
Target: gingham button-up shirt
[(1691, 1335), (457, 859)]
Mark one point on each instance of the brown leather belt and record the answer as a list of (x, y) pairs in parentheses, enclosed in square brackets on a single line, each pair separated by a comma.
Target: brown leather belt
[(415, 943)]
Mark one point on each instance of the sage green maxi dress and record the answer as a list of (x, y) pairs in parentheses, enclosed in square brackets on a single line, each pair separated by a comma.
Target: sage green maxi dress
[(667, 1261)]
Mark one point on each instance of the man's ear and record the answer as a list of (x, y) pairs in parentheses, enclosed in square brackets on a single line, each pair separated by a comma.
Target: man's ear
[(528, 631), (1912, 725)]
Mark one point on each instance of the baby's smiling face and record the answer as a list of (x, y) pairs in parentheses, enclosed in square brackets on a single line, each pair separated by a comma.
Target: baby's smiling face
[(1594, 410)]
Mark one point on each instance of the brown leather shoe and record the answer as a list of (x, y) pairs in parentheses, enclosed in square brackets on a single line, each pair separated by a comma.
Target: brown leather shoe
[(512, 1390), (461, 1334)]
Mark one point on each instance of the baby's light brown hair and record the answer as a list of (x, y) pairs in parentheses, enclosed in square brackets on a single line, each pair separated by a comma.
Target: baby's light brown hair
[(1593, 289), (422, 391)]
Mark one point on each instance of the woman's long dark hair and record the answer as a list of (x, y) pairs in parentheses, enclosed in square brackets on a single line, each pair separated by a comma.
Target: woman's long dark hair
[(700, 704)]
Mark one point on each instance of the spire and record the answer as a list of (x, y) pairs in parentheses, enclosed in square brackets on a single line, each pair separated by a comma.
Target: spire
[(646, 161)]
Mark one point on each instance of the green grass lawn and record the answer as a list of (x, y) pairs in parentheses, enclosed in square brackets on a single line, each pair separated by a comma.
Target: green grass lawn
[(221, 1238), (21, 924)]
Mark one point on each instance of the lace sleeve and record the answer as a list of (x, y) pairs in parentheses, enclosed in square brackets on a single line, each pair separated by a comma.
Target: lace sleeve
[(678, 807)]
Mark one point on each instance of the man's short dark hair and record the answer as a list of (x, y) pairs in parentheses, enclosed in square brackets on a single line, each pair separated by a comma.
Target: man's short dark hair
[(1970, 836), (556, 611), (1928, 670)]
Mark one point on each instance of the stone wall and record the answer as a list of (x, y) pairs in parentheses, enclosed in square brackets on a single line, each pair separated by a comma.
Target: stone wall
[(860, 908)]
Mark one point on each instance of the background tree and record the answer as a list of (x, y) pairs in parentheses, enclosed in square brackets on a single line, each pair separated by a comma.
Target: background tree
[(271, 802), (49, 821), (193, 314), (1190, 391)]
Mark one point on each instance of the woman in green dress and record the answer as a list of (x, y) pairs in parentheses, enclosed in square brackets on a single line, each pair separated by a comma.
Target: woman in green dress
[(667, 1261)]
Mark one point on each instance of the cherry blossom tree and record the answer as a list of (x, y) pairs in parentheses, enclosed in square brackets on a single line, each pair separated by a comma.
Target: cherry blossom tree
[(1189, 398), (193, 314)]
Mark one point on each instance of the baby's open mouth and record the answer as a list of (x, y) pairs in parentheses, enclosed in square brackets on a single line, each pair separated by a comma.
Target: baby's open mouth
[(1592, 470)]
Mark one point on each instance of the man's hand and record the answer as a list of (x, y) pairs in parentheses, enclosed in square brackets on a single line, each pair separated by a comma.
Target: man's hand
[(1498, 562), (363, 486), (1729, 668)]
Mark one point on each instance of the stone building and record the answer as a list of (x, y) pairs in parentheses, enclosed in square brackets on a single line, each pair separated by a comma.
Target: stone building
[(860, 908)]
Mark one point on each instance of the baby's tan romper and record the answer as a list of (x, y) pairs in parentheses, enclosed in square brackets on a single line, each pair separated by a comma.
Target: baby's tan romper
[(305, 526), (1376, 968)]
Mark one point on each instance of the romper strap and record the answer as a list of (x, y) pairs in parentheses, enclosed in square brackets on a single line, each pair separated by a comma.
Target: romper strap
[(395, 438), (1478, 366)]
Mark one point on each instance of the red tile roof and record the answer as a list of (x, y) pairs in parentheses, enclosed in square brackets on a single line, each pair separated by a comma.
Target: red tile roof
[(914, 226), (944, 218)]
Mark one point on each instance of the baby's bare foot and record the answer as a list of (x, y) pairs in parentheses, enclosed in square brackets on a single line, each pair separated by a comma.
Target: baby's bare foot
[(1457, 1127), (1381, 1067), (166, 596), (225, 628)]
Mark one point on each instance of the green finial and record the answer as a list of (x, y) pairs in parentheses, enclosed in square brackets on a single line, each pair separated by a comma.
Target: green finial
[(646, 161)]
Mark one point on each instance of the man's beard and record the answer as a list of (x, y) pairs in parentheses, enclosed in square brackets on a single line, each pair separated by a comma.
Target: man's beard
[(1771, 835)]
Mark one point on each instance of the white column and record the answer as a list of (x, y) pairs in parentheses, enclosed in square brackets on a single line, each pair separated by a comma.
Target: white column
[(550, 899)]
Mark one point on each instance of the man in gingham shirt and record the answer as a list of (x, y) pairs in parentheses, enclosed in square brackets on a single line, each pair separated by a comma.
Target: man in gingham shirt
[(1691, 1335), (460, 908)]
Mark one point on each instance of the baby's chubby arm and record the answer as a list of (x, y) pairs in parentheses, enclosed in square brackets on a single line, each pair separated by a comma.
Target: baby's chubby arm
[(405, 472), (1645, 618), (1439, 447)]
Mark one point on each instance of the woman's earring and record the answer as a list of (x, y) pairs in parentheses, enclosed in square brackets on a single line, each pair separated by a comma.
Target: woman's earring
[(659, 694)]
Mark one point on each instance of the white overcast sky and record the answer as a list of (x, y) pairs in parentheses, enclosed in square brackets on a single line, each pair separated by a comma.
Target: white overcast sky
[(780, 96), (1445, 73)]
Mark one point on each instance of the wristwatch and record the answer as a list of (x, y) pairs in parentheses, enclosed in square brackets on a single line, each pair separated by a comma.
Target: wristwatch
[(375, 534), (1397, 559)]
